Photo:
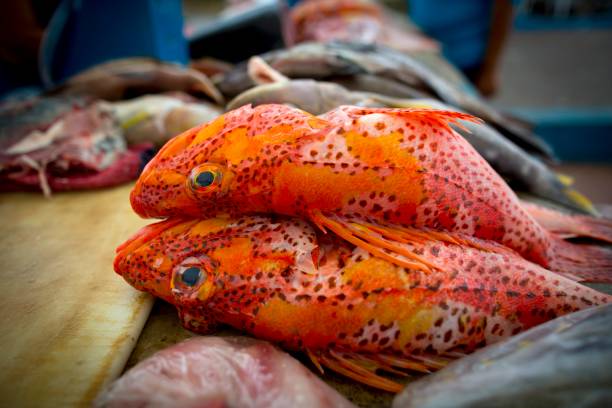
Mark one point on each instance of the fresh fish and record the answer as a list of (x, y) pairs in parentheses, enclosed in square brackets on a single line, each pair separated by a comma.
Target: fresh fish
[(281, 280), (564, 363), (157, 118), (520, 169), (220, 372), (129, 77), (55, 144), (320, 61), (398, 166), (354, 20)]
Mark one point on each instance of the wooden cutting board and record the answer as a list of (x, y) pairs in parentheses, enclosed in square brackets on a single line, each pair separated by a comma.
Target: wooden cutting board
[(67, 322)]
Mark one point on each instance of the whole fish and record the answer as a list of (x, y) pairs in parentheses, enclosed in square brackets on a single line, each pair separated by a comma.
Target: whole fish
[(220, 372), (564, 363), (281, 280), (320, 61), (521, 170), (129, 77), (399, 166), (58, 143)]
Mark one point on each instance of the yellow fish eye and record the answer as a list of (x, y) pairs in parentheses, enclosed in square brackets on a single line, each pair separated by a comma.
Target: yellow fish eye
[(205, 178)]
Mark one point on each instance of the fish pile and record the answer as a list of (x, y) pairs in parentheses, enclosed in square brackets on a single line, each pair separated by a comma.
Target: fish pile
[(354, 203), (373, 239)]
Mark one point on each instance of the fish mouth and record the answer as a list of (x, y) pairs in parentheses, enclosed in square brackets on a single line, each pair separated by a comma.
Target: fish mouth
[(140, 238)]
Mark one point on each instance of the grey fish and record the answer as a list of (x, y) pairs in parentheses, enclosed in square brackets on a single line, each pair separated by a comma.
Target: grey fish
[(321, 61), (523, 171), (564, 363)]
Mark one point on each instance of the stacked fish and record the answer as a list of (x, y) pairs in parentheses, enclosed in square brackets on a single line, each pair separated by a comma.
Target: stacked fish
[(347, 206), (371, 228), (370, 238)]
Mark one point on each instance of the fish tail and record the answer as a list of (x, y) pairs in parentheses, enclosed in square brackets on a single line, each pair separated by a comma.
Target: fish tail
[(582, 263), (569, 226)]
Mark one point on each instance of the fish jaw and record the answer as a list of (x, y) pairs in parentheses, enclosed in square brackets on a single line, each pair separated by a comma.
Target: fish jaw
[(140, 263), (145, 196), (162, 177)]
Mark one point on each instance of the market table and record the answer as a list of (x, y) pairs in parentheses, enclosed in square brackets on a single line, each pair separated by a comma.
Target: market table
[(68, 322)]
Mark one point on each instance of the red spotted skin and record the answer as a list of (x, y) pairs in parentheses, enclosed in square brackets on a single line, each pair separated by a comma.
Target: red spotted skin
[(388, 165), (260, 277)]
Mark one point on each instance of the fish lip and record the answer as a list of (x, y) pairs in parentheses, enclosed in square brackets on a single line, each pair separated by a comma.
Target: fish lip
[(141, 237)]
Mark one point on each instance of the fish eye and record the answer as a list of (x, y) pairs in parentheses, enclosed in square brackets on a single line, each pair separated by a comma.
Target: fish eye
[(191, 276), (206, 177)]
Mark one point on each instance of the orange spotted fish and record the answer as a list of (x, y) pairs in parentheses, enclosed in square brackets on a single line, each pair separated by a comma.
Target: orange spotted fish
[(281, 280), (404, 167)]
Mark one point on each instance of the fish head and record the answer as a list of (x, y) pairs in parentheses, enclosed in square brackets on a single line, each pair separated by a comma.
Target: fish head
[(165, 260), (220, 165), (187, 262)]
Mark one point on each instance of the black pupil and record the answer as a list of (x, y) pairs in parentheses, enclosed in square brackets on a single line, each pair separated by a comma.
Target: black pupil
[(191, 276), (205, 178)]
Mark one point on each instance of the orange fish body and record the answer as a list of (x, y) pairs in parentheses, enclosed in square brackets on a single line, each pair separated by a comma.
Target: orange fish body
[(280, 280), (391, 166)]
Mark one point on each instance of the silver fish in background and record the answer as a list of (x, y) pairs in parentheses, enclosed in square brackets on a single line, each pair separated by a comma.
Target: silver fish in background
[(220, 372), (523, 171), (321, 61), (563, 363)]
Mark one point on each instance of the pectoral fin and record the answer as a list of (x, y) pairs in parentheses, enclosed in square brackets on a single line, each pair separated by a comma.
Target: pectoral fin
[(398, 244), (360, 235), (364, 367)]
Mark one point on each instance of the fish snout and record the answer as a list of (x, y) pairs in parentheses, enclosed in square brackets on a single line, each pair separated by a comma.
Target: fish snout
[(163, 194), (138, 202), (140, 262)]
